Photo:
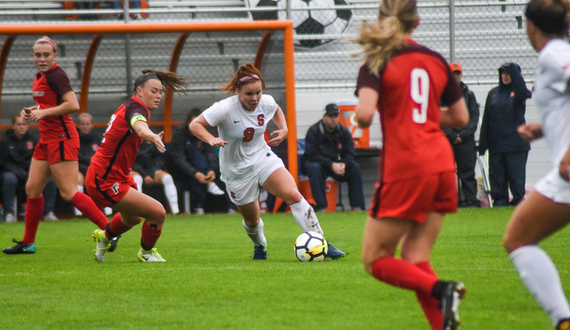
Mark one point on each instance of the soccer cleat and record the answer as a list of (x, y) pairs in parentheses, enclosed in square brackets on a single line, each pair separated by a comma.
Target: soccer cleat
[(103, 244), (150, 256), (563, 324), (114, 243), (452, 295), (334, 253), (260, 252), (20, 248)]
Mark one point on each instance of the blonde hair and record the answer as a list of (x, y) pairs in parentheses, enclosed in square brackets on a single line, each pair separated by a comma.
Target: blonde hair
[(381, 39), (245, 74), (47, 40)]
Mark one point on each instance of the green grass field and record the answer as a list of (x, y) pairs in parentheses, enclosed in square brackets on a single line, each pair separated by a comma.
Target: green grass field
[(210, 281)]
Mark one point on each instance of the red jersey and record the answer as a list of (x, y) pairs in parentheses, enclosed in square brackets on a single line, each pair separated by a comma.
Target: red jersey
[(48, 89), (116, 155), (411, 86)]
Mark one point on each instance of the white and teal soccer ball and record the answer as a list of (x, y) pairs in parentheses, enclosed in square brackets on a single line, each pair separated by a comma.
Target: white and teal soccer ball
[(309, 21), (311, 246)]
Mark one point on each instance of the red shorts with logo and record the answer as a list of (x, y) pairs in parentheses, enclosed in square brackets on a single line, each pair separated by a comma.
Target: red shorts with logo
[(414, 199), (105, 193), (55, 152)]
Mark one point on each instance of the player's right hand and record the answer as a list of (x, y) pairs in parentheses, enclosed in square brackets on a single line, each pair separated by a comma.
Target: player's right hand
[(26, 112), (217, 142)]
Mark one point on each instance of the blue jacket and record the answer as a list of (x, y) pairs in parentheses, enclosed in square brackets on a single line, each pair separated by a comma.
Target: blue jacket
[(504, 112)]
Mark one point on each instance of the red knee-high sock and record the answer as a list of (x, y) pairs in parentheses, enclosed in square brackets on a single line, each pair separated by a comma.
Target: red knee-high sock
[(88, 208), (116, 227), (150, 235), (34, 211), (430, 305), (403, 274)]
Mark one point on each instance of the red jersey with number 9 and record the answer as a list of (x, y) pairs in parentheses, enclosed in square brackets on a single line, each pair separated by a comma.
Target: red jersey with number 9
[(114, 159), (48, 90), (411, 87)]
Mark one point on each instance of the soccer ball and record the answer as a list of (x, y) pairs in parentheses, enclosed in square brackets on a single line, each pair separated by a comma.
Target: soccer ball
[(307, 22), (311, 246)]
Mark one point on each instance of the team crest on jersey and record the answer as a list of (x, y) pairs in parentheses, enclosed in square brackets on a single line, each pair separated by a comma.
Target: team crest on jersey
[(40, 93), (30, 145), (95, 147), (115, 188)]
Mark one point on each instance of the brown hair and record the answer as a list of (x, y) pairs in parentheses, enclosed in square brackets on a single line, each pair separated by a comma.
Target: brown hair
[(47, 40), (551, 17), (167, 78), (381, 39), (245, 74), (15, 118)]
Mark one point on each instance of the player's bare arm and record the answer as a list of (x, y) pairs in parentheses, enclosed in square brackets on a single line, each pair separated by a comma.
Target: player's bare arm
[(281, 133), (367, 101), (530, 132), (199, 126), (69, 104), (143, 131), (456, 115)]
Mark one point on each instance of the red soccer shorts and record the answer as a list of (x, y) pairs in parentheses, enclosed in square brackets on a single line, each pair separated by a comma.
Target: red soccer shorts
[(105, 193), (414, 199), (55, 152)]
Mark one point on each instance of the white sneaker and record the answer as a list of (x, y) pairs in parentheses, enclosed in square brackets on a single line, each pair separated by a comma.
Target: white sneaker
[(150, 256), (103, 244), (10, 218), (50, 217), (232, 211), (199, 211), (215, 190)]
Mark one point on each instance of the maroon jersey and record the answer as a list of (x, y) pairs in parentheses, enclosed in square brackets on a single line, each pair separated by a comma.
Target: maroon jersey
[(116, 155), (48, 89), (410, 87)]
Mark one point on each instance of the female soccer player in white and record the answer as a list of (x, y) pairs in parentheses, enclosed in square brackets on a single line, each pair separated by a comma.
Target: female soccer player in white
[(246, 160), (547, 209)]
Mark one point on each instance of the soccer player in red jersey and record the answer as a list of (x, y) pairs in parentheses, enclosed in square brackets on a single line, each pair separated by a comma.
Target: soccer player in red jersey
[(109, 181), (405, 83), (56, 152)]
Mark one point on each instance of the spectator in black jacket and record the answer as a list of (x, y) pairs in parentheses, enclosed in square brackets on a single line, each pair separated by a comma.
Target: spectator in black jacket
[(194, 165), (148, 168), (16, 150), (463, 143), (329, 151), (508, 152), (89, 142)]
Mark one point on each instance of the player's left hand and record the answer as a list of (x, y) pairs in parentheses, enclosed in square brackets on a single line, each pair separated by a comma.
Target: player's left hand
[(158, 142), (36, 115), (280, 135), (148, 181)]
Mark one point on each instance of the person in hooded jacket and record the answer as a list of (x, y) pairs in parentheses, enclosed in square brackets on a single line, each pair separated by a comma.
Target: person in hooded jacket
[(16, 149), (504, 111)]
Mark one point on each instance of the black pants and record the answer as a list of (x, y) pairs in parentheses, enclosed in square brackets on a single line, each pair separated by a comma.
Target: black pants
[(317, 180), (466, 158), (507, 170)]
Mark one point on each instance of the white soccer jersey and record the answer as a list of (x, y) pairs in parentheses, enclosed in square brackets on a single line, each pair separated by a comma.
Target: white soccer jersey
[(552, 96), (243, 156)]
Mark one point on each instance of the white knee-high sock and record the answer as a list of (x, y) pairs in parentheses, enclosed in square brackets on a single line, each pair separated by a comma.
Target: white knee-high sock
[(306, 217), (171, 193), (75, 209), (256, 234), (139, 181), (541, 278)]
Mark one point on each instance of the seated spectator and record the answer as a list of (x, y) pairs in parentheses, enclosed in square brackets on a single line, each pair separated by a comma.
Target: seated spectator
[(194, 165), (147, 169), (329, 151), (89, 142), (16, 150)]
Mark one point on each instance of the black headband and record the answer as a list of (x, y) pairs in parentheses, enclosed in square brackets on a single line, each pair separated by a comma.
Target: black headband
[(144, 78)]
